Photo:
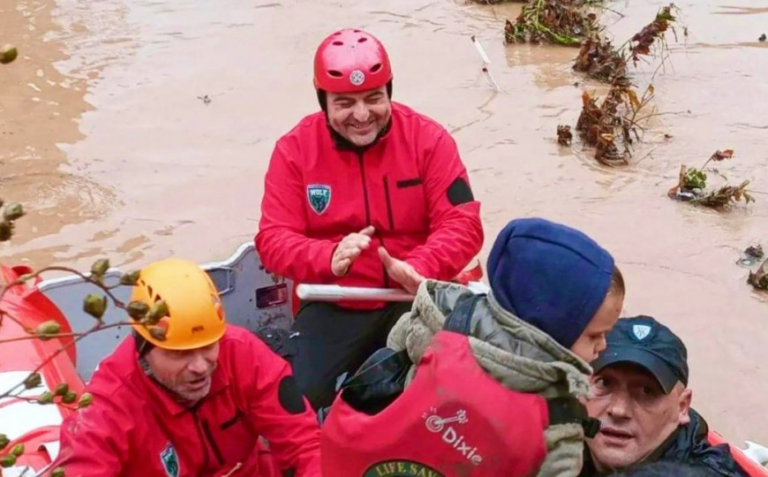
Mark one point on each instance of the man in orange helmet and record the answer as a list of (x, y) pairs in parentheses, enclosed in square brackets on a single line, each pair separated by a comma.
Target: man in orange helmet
[(192, 397), (365, 193)]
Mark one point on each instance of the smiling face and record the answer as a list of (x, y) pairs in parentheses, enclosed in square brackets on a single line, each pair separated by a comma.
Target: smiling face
[(635, 414), (359, 117), (187, 373)]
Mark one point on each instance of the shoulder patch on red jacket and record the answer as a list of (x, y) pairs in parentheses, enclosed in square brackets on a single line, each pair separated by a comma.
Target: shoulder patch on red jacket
[(459, 192)]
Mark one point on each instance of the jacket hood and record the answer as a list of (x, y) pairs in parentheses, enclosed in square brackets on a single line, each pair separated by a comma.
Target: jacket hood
[(549, 275), (517, 354)]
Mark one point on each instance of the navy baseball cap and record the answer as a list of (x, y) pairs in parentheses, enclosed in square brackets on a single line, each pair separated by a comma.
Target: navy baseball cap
[(644, 341)]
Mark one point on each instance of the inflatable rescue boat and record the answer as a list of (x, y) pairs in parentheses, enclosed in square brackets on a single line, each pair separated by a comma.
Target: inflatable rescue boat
[(252, 296)]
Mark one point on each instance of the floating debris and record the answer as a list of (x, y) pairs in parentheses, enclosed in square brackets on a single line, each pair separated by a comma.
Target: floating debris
[(692, 183), (564, 135), (751, 256), (552, 21), (613, 126), (759, 278), (762, 37), (205, 99), (600, 60)]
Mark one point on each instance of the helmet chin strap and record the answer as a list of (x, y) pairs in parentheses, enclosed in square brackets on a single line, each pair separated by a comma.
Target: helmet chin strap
[(142, 345)]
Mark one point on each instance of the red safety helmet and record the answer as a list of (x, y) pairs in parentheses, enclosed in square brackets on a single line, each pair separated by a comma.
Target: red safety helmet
[(351, 60)]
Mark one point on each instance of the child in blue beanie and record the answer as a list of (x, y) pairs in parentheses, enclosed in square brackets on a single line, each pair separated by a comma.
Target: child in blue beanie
[(554, 296), (558, 280)]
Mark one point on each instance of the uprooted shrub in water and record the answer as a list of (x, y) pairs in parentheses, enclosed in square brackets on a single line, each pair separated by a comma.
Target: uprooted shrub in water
[(692, 183), (759, 278), (552, 21), (613, 125), (600, 60)]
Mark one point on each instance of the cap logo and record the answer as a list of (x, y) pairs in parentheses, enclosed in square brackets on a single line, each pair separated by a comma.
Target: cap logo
[(641, 331), (357, 77)]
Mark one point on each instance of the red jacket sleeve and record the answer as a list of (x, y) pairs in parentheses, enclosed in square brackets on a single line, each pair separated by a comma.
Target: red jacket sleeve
[(280, 413), (281, 241), (456, 229), (94, 441)]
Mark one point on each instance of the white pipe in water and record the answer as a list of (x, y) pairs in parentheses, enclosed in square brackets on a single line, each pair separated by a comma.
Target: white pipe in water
[(486, 61)]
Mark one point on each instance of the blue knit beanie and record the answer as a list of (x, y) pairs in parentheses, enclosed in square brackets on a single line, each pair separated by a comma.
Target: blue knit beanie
[(549, 275)]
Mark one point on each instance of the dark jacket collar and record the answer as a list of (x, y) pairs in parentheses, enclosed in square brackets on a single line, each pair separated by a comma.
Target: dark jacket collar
[(688, 443)]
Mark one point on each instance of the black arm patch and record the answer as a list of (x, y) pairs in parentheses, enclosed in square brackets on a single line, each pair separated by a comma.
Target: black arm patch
[(290, 397), (459, 192)]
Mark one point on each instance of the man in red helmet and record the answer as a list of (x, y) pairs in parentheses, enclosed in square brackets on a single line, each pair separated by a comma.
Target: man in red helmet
[(365, 193)]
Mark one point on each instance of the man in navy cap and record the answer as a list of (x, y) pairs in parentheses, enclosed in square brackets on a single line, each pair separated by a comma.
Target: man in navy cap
[(641, 396)]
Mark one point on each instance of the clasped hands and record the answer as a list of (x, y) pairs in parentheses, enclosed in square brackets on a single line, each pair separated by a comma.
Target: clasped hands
[(353, 245)]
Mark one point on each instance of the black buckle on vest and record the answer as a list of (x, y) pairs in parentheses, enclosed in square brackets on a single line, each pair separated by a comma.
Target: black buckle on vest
[(567, 410)]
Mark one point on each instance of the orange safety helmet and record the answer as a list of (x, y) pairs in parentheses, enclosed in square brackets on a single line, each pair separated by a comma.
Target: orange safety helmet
[(195, 313)]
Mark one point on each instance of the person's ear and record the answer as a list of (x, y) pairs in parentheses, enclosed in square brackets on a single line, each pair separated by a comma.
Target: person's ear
[(684, 406)]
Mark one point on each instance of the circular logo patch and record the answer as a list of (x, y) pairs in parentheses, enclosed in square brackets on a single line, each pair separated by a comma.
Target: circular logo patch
[(401, 468), (357, 77)]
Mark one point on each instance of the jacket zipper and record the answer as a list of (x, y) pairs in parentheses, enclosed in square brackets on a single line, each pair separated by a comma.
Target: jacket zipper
[(215, 448), (365, 189), (201, 436), (206, 438), (368, 214), (389, 204)]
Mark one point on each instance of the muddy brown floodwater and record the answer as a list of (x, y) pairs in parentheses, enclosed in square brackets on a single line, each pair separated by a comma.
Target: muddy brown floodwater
[(104, 137)]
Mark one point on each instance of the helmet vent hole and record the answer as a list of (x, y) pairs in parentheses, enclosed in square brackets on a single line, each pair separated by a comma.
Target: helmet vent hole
[(158, 298), (338, 43), (335, 73), (375, 67), (362, 40), (357, 31)]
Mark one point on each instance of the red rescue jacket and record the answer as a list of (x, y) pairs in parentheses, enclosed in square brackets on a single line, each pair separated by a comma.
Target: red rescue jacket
[(135, 428), (453, 420), (410, 185)]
